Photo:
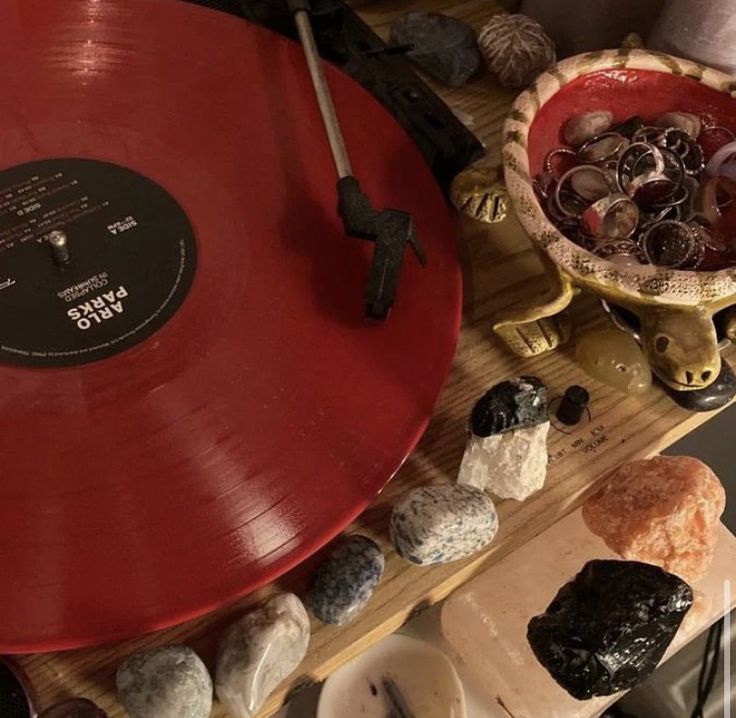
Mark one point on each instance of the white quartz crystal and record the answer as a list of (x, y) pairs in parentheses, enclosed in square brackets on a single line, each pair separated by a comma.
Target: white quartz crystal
[(512, 465)]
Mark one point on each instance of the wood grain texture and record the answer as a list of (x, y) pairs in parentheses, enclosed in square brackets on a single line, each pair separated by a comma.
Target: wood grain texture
[(500, 268)]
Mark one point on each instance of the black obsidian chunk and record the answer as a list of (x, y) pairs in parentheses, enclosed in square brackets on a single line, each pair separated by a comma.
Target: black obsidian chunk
[(607, 629), (510, 405)]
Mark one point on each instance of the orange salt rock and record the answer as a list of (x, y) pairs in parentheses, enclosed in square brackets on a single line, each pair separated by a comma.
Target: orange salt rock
[(664, 511)]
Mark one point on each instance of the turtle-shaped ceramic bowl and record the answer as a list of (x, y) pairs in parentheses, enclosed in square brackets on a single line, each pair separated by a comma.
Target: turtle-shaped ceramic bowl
[(675, 308)]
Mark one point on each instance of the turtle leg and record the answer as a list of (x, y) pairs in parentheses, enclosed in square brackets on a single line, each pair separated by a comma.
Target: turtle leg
[(533, 328), (681, 345), (480, 193)]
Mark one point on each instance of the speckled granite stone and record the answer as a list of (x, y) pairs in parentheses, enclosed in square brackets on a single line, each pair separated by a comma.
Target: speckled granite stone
[(258, 652), (166, 682), (344, 583), (438, 524), (74, 708)]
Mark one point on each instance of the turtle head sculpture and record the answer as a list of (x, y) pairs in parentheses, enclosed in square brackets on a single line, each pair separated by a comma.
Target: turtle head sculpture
[(681, 347)]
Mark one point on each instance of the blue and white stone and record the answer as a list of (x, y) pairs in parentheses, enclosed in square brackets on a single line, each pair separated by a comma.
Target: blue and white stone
[(166, 682), (439, 524), (257, 652), (344, 583)]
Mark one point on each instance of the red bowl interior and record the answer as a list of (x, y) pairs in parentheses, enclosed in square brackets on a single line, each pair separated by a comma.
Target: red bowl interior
[(625, 92)]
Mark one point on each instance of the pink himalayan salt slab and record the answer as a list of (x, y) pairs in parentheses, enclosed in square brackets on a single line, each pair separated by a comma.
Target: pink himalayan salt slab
[(485, 621), (663, 511)]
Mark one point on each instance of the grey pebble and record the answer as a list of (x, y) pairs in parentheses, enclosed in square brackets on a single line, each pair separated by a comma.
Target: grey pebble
[(165, 682), (438, 524), (444, 47), (344, 583)]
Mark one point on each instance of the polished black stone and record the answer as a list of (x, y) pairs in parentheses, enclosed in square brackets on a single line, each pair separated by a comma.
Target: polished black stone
[(445, 48), (608, 628), (715, 396), (510, 405)]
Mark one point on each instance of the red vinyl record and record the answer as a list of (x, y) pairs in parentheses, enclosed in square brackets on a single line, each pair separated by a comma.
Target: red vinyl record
[(194, 402)]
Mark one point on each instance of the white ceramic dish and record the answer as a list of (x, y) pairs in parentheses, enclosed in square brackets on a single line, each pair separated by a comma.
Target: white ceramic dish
[(399, 669)]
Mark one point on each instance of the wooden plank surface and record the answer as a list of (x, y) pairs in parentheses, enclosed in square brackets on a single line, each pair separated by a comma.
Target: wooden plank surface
[(499, 268)]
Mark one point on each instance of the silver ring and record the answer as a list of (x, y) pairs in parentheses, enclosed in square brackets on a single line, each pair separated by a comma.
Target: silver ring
[(553, 153), (614, 217), (618, 142), (567, 176), (684, 247)]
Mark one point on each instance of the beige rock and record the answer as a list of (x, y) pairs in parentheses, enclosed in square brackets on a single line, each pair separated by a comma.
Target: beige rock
[(663, 511), (614, 358), (258, 651)]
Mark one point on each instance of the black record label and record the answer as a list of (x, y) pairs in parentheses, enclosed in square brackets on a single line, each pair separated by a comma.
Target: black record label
[(120, 261)]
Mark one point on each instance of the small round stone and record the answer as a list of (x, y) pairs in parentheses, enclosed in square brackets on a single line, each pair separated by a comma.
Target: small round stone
[(587, 125), (344, 583), (166, 682), (74, 708), (516, 49), (443, 46), (614, 358), (439, 524)]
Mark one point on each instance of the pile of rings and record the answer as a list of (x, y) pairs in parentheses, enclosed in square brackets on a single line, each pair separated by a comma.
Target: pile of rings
[(660, 193)]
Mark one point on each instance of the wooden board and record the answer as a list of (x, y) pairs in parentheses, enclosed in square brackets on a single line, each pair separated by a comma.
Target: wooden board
[(500, 268), (486, 620)]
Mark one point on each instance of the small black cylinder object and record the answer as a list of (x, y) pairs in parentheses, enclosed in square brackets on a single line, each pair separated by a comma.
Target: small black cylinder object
[(573, 404), (14, 702), (59, 246)]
